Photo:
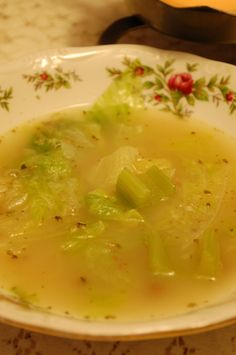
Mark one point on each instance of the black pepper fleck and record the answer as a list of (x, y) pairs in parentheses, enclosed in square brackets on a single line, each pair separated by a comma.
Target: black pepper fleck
[(83, 279), (12, 254), (80, 224), (110, 316)]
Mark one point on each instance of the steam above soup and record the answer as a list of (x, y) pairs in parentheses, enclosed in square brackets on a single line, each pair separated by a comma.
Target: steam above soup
[(131, 218)]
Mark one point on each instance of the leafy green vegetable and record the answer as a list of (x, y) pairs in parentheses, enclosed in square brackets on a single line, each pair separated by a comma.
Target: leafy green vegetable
[(49, 184), (108, 208), (46, 183), (55, 134), (109, 283), (53, 163), (123, 94), (81, 234), (132, 189), (102, 205), (99, 257), (12, 196), (191, 211)]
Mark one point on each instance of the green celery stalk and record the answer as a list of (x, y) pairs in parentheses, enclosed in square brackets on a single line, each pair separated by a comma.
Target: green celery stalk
[(132, 189), (210, 256), (160, 184), (158, 258)]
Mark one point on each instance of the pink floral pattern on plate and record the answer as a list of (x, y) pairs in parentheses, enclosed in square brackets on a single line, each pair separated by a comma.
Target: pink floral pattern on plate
[(52, 80), (177, 92)]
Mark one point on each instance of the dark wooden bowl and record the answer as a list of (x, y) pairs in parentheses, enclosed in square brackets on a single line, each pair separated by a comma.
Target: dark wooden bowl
[(196, 23)]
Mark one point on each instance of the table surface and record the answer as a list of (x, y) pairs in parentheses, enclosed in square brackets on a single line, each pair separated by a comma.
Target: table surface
[(31, 26)]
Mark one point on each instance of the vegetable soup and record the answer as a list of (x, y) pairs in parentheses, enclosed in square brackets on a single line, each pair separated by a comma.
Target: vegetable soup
[(127, 219)]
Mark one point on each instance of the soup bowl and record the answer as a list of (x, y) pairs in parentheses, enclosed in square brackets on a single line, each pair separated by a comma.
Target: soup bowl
[(57, 79)]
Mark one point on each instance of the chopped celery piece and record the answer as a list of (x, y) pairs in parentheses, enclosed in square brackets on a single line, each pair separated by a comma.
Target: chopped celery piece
[(159, 261), (132, 189), (210, 256), (124, 93), (142, 165), (158, 258), (108, 208), (108, 169), (159, 184), (81, 234)]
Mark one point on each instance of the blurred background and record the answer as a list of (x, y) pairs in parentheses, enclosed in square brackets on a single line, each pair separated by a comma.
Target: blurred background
[(28, 26)]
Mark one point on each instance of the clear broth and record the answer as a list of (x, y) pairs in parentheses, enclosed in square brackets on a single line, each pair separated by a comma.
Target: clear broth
[(37, 271)]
